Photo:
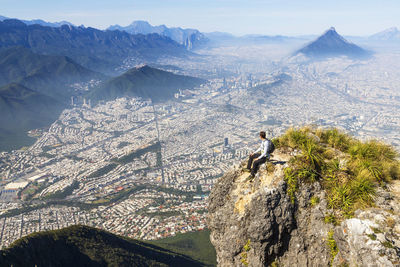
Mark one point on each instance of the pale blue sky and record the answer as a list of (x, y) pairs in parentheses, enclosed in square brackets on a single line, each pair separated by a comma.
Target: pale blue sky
[(286, 17)]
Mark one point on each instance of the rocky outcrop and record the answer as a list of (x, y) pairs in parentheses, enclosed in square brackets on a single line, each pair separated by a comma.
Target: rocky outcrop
[(257, 224)]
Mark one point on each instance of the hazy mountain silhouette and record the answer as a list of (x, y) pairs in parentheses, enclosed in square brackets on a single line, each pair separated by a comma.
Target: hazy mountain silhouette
[(391, 34), (24, 108), (95, 49), (41, 22), (49, 75), (332, 44), (145, 82), (190, 38)]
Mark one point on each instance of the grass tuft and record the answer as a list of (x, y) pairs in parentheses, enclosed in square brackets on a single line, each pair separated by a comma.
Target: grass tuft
[(333, 248), (314, 200)]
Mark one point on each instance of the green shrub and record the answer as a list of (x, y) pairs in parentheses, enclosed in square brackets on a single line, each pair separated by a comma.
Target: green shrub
[(340, 197), (243, 258), (312, 153), (243, 255), (363, 190), (294, 138), (292, 182), (314, 200), (387, 244), (334, 138), (307, 174), (333, 249), (331, 218), (247, 247)]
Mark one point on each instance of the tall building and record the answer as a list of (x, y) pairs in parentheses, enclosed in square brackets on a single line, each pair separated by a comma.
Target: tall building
[(226, 141)]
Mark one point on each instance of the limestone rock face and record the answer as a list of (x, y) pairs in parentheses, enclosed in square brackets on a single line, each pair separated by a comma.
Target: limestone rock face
[(255, 223)]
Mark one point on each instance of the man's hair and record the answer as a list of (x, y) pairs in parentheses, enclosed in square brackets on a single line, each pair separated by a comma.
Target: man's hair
[(262, 134)]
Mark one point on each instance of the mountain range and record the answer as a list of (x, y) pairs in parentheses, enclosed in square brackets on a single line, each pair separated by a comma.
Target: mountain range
[(86, 246), (190, 38), (180, 35), (41, 22), (332, 44), (98, 50), (145, 82)]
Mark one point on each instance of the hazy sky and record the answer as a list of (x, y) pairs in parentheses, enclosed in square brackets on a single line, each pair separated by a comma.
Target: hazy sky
[(287, 17)]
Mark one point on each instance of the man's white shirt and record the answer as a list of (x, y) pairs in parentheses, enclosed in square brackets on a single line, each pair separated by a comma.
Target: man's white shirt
[(263, 148)]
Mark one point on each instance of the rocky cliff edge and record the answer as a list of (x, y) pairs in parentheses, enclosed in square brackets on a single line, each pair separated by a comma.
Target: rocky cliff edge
[(258, 223)]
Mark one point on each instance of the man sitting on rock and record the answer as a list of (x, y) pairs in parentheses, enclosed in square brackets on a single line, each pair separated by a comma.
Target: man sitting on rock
[(260, 156)]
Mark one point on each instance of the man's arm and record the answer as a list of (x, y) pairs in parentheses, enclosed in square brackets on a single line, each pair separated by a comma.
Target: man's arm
[(258, 150)]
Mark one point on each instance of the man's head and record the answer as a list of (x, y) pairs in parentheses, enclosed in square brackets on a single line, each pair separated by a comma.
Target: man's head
[(262, 135)]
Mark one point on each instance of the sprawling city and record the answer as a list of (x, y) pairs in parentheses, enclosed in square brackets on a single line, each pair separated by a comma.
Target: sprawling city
[(144, 169), (128, 129)]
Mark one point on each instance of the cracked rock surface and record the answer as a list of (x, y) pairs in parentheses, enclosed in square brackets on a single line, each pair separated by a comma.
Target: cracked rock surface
[(255, 223)]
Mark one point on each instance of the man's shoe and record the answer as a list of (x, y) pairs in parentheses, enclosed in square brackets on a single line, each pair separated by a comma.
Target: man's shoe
[(250, 178), (246, 170)]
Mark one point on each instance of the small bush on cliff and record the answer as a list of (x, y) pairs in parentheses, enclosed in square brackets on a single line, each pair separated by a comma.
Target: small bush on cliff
[(333, 248), (243, 255), (314, 200), (348, 170)]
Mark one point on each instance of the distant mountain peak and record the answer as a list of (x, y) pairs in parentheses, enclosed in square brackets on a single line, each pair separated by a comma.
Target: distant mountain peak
[(331, 43), (331, 33), (390, 34), (140, 66), (140, 22), (392, 29), (190, 38)]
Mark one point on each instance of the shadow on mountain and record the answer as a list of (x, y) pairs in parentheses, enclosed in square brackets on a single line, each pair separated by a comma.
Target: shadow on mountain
[(86, 246), (23, 109), (145, 82)]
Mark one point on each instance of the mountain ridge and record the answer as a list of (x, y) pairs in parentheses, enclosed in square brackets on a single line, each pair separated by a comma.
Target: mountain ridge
[(190, 38), (145, 82), (102, 51), (86, 246), (390, 34), (41, 22)]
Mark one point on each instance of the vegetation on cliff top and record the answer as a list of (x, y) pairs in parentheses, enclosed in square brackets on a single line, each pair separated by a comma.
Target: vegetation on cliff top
[(349, 170)]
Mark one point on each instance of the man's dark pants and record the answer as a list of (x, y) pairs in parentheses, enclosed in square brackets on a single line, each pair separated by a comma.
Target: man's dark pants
[(256, 163)]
